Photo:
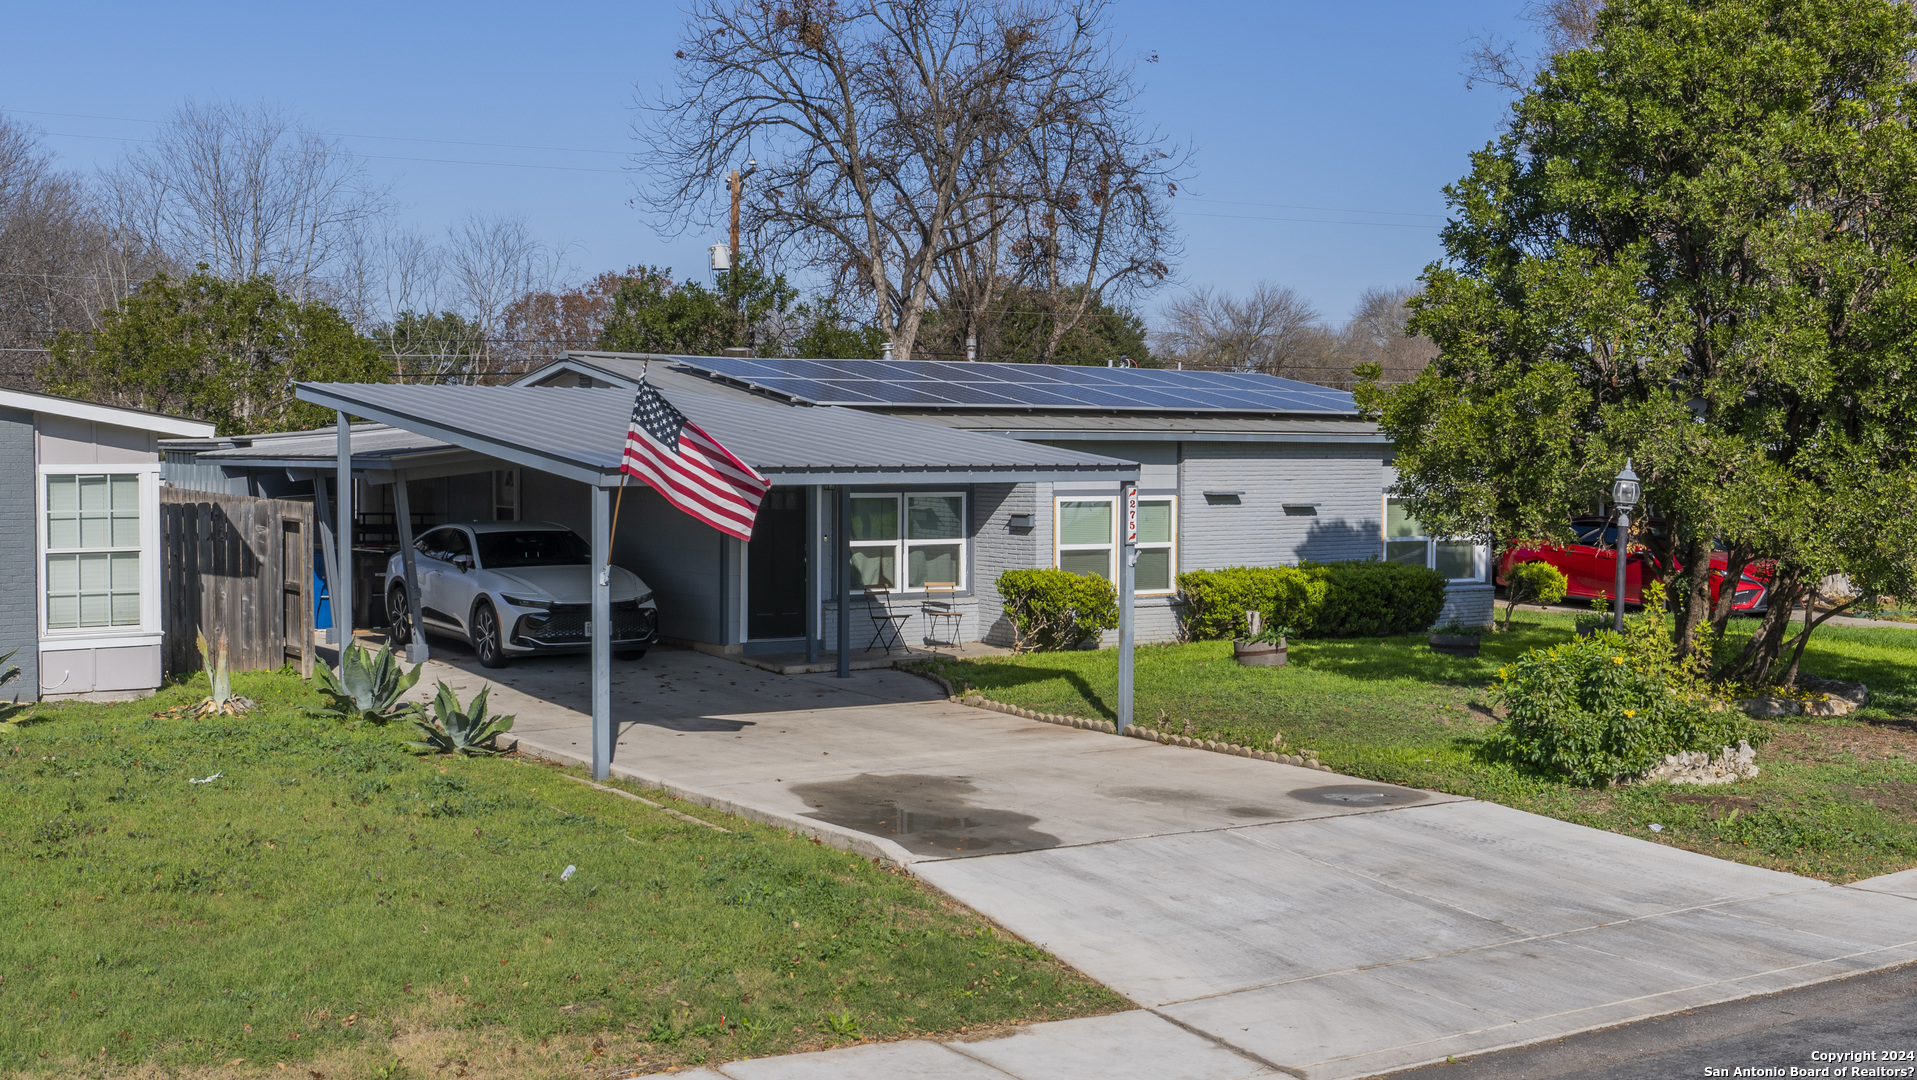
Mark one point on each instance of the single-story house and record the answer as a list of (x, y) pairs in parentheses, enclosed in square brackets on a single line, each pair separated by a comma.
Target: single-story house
[(950, 473), (1235, 470), (80, 602)]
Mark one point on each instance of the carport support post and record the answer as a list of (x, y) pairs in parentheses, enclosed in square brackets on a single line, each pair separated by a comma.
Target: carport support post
[(343, 535), (601, 633), (814, 573), (403, 504), (1127, 586), (841, 573)]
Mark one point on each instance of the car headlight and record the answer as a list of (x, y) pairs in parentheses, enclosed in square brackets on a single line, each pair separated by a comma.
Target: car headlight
[(642, 598), (520, 601)]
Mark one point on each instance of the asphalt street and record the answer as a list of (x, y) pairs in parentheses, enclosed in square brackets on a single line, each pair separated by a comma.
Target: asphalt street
[(1798, 1029)]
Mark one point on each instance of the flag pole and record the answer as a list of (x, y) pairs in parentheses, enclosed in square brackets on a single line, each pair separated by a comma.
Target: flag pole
[(616, 500)]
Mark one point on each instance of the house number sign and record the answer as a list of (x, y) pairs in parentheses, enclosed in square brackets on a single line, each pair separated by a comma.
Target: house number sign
[(1131, 515)]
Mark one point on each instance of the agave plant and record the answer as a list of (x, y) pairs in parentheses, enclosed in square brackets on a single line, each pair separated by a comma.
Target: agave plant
[(366, 688), (456, 730), (10, 709), (223, 701)]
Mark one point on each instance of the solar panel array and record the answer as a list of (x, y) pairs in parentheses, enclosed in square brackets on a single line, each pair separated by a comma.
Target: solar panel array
[(944, 384)]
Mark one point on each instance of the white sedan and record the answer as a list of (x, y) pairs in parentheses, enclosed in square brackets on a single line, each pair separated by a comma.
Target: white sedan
[(511, 588)]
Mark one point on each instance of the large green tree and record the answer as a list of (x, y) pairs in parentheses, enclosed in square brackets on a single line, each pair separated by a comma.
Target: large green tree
[(652, 313), (1694, 247), (223, 351)]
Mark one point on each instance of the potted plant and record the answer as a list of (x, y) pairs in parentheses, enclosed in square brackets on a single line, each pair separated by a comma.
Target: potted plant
[(1263, 646), (1456, 639)]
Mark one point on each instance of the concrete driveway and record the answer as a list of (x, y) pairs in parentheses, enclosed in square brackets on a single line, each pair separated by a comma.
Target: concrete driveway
[(1266, 918)]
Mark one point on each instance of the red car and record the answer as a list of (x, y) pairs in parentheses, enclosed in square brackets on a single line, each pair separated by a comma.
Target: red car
[(1589, 566)]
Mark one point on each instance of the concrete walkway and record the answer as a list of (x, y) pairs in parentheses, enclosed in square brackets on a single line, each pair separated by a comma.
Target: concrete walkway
[(1267, 919)]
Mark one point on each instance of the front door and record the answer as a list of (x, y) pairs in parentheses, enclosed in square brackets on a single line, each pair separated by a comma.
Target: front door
[(775, 567)]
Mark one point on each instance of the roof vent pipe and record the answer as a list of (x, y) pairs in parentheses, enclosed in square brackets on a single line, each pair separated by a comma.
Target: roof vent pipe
[(885, 350), (971, 347)]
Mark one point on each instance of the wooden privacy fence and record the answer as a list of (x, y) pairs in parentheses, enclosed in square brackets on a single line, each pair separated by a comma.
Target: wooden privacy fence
[(241, 565)]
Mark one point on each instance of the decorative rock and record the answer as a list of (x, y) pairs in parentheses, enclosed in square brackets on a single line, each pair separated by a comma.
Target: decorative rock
[(1855, 693), (1700, 767), (1829, 706), (1771, 706)]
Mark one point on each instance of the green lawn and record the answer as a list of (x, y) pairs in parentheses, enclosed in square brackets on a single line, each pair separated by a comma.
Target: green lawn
[(334, 902), (1837, 799)]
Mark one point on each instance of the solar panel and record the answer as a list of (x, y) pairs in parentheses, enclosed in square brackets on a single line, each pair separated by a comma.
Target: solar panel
[(962, 385)]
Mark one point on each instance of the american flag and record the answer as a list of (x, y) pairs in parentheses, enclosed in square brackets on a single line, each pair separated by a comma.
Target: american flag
[(689, 467)]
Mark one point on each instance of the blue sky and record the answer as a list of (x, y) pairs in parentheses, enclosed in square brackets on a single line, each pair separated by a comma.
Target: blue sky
[(1352, 116)]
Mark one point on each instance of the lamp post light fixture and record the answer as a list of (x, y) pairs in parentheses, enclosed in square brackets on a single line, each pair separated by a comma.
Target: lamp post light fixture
[(1625, 491)]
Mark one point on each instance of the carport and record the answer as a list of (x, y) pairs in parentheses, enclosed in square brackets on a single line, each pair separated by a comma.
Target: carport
[(579, 434)]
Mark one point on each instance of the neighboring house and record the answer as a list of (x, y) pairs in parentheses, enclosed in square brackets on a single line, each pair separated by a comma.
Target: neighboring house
[(1267, 472), (80, 544)]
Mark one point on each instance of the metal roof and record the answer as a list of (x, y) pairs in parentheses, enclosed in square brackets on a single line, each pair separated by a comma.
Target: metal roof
[(114, 415), (580, 433), (296, 448)]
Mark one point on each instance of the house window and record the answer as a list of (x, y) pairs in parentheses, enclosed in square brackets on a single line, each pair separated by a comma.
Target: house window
[(1088, 540), (1405, 542), (93, 541), (905, 541), (506, 495)]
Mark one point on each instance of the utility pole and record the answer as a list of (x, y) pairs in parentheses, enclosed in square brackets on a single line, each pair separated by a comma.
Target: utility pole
[(737, 184)]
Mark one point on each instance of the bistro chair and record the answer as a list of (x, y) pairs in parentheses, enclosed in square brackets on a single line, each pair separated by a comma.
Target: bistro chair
[(887, 625), (941, 610)]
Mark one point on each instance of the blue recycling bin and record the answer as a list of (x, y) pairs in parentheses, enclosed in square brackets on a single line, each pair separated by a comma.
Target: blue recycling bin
[(322, 602)]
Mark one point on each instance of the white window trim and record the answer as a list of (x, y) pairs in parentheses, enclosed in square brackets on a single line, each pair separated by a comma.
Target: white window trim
[(103, 636), (1115, 545), (1110, 546), (1480, 553), (902, 547)]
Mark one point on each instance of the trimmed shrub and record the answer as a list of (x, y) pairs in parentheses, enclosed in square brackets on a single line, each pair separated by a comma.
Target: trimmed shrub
[(1534, 582), (1216, 600), (1343, 599), (1056, 609), (1370, 598), (1591, 712)]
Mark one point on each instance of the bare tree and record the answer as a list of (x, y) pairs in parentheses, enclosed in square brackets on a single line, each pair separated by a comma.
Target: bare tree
[(61, 264), (1376, 334), (489, 263), (1273, 330), (243, 190), (1562, 25), (903, 139)]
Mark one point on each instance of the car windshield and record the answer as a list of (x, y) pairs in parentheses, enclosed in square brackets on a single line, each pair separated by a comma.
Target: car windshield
[(534, 547)]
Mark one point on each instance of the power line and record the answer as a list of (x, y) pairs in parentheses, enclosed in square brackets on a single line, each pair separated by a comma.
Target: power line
[(1308, 221), (374, 157), (1291, 206), (337, 134)]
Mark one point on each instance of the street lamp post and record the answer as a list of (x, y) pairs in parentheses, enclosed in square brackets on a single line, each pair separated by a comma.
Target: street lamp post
[(1624, 495)]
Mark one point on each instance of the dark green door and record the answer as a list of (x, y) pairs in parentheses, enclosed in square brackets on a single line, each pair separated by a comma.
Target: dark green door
[(775, 567)]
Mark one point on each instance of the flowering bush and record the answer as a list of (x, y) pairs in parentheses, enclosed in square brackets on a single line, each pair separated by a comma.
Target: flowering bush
[(1591, 712)]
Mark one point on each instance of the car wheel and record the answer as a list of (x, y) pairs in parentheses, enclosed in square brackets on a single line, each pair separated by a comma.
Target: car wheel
[(485, 637), (631, 654), (399, 614)]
